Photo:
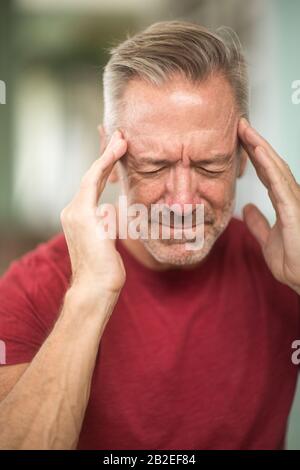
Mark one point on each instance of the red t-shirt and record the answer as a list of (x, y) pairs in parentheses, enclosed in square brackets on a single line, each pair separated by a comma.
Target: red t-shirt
[(196, 359)]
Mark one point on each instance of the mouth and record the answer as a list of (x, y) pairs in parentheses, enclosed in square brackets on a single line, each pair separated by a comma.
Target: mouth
[(182, 227), (181, 235)]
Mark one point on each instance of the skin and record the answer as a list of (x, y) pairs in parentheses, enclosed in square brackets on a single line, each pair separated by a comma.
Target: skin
[(281, 243), (195, 124), (43, 403), (182, 149)]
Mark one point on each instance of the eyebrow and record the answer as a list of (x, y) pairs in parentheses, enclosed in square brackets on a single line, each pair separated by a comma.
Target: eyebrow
[(149, 160), (215, 159), (220, 158)]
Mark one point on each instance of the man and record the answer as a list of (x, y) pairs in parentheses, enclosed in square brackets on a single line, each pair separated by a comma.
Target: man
[(141, 343)]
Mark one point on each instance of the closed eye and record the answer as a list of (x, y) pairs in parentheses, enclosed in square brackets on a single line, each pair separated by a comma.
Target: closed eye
[(153, 172), (198, 168), (209, 172)]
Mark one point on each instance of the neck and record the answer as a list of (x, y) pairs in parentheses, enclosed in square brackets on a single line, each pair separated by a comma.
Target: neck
[(141, 254)]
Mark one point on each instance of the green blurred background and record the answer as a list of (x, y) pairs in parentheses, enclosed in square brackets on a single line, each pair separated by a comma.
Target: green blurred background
[(51, 58)]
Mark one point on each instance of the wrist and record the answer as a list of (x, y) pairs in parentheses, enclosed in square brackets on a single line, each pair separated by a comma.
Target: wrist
[(86, 281), (88, 300), (295, 288)]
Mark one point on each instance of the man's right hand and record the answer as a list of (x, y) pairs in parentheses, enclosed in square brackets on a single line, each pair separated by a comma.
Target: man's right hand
[(49, 395), (95, 261)]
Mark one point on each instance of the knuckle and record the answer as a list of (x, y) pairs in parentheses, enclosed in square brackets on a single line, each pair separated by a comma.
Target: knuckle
[(66, 214), (84, 181), (286, 166), (89, 181), (63, 214)]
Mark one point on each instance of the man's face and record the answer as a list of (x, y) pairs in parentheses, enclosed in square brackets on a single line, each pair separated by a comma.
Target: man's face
[(182, 149)]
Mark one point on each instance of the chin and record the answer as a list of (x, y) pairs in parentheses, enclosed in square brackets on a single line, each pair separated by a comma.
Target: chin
[(176, 252)]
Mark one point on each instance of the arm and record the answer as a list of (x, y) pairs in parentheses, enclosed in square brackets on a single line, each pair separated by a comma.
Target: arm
[(46, 407)]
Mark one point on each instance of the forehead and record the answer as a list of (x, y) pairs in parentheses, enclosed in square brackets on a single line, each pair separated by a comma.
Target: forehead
[(179, 115)]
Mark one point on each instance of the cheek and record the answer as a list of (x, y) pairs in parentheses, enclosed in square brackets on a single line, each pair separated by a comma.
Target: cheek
[(145, 190), (218, 192)]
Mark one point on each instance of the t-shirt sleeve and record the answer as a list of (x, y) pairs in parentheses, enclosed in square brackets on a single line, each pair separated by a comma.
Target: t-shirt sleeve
[(31, 294)]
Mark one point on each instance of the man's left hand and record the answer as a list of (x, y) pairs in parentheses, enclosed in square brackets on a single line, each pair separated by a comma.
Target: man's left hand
[(281, 243)]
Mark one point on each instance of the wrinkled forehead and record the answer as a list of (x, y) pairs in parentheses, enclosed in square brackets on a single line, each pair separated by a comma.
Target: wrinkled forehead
[(206, 141), (174, 119)]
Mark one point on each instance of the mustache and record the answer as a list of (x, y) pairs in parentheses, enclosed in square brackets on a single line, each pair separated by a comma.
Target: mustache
[(188, 217)]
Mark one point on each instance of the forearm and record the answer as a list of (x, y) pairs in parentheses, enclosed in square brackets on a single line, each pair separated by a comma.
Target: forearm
[(46, 407), (295, 288)]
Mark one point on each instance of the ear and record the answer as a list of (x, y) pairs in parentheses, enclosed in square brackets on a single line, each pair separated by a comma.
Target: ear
[(113, 177), (243, 157)]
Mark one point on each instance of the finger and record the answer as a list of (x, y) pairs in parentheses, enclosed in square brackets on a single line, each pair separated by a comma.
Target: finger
[(251, 137), (280, 193), (249, 149), (271, 173), (275, 180), (256, 223), (94, 180), (111, 154)]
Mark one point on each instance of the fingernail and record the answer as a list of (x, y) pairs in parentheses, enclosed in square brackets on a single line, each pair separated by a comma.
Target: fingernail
[(252, 131), (114, 138), (117, 133), (114, 135), (245, 122)]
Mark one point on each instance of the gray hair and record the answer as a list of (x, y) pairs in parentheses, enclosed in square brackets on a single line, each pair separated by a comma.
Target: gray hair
[(169, 48)]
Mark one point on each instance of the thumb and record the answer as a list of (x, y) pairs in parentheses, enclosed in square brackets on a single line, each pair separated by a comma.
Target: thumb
[(256, 223)]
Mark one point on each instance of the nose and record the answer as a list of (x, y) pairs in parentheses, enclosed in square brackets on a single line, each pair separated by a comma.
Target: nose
[(180, 186)]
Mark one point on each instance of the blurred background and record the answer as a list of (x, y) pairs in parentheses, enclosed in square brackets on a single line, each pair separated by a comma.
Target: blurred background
[(51, 58)]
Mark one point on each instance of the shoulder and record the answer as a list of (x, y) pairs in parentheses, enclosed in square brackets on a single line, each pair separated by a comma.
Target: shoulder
[(40, 274), (31, 294), (243, 255), (52, 255)]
